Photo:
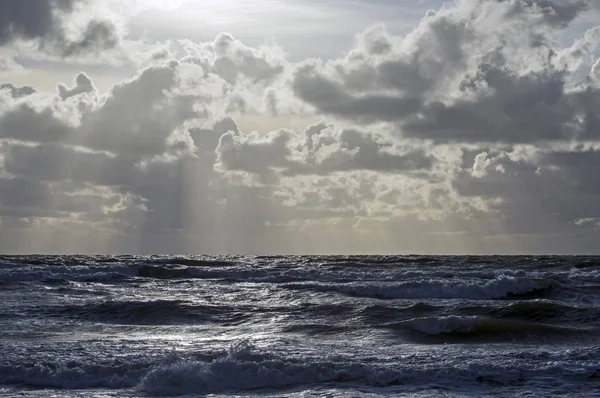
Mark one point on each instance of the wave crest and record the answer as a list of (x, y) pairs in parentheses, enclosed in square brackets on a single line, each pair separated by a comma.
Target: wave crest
[(156, 312), (476, 325), (497, 288)]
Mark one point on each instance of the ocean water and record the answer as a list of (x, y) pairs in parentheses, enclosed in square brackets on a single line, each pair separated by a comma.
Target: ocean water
[(402, 326)]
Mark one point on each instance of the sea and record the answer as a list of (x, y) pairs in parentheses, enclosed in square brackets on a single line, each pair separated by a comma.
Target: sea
[(299, 326)]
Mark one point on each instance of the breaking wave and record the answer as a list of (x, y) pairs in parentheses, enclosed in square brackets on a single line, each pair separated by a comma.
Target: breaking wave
[(243, 367)]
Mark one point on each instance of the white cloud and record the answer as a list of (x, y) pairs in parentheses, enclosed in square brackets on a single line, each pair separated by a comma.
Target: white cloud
[(82, 84), (595, 73), (455, 79)]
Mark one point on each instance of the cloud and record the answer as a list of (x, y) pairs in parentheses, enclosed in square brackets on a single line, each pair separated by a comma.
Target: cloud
[(8, 64), (595, 73), (45, 22), (79, 143), (17, 92), (321, 150), (330, 97), (147, 173), (97, 35), (454, 79), (50, 162), (255, 154), (536, 191), (557, 13), (347, 150), (452, 137), (153, 112), (242, 76), (24, 122), (31, 20), (83, 84), (234, 59)]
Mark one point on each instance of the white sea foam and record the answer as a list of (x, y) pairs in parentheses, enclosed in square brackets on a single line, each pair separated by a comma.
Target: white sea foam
[(247, 369), (244, 367)]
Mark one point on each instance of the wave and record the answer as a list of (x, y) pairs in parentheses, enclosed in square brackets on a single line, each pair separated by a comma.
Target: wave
[(114, 374), (538, 310), (295, 269), (314, 329), (376, 314), (192, 261), (497, 288), (476, 325), (221, 272), (163, 272), (157, 312), (245, 367), (60, 274), (117, 273)]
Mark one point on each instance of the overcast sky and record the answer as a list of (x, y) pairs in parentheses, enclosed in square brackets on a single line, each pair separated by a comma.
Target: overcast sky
[(299, 126)]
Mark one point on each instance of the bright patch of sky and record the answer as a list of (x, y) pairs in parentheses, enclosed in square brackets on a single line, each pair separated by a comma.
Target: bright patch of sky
[(304, 28)]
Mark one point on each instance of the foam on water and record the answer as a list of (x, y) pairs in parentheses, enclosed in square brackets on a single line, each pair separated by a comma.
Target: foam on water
[(245, 367)]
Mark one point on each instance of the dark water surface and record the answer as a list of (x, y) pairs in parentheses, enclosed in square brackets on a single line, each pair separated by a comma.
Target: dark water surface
[(414, 326)]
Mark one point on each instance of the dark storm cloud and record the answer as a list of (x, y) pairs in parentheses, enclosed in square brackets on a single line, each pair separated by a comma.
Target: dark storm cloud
[(17, 92), (31, 19), (45, 22), (96, 36)]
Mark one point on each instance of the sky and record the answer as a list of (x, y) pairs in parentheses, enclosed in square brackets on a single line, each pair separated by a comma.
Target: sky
[(300, 126)]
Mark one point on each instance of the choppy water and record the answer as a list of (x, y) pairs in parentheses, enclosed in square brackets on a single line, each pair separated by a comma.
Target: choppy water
[(80, 326)]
